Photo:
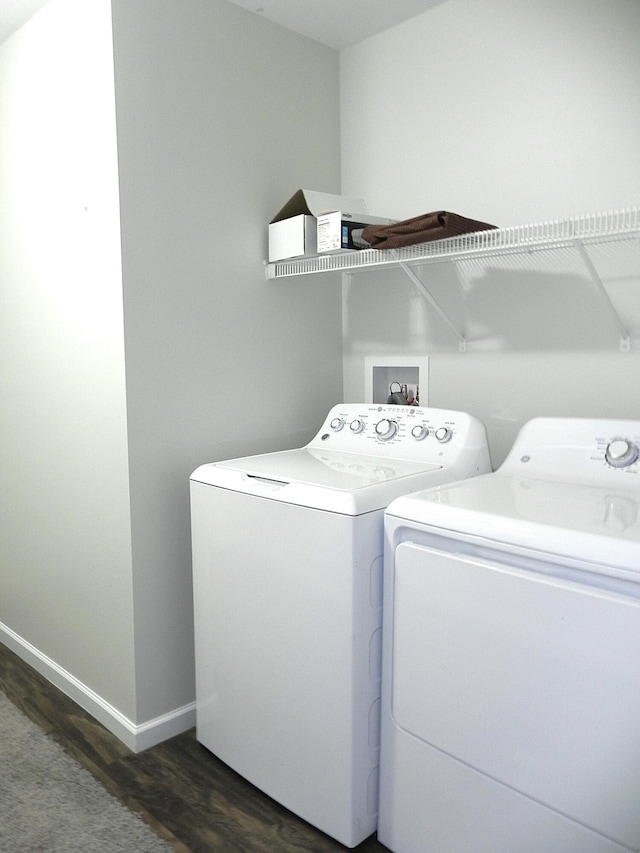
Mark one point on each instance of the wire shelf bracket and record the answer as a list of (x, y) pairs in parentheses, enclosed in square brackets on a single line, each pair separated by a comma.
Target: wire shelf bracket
[(462, 342), (625, 338)]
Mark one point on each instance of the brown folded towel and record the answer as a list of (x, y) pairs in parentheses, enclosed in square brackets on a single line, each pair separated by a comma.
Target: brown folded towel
[(421, 229)]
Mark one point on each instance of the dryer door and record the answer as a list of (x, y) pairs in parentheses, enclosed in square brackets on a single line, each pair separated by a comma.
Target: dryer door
[(531, 679)]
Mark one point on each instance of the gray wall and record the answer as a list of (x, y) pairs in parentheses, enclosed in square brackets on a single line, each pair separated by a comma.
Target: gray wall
[(220, 117), (181, 352), (65, 535), (508, 111)]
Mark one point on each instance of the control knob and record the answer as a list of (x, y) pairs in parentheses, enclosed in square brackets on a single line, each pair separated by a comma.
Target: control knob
[(337, 424), (443, 434), (386, 429), (356, 426), (419, 432), (621, 453)]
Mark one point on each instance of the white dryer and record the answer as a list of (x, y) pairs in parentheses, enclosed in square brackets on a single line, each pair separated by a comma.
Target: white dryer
[(287, 576), (511, 677)]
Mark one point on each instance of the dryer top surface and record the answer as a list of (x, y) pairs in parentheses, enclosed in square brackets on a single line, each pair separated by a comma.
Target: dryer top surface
[(558, 492)]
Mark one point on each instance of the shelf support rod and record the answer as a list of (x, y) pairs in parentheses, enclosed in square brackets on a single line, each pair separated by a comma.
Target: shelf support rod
[(462, 342), (625, 341)]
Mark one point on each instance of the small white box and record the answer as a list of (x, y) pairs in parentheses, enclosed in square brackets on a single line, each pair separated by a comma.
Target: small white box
[(293, 237)]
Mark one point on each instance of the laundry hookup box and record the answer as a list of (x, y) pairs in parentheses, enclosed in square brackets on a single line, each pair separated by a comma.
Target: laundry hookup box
[(314, 222)]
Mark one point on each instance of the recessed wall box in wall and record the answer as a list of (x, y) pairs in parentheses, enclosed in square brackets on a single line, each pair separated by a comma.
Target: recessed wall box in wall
[(293, 230), (384, 371)]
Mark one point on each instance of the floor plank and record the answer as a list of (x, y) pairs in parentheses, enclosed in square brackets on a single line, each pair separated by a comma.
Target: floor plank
[(188, 796)]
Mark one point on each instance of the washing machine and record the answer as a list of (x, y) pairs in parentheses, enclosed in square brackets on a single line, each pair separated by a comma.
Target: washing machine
[(511, 678), (287, 577)]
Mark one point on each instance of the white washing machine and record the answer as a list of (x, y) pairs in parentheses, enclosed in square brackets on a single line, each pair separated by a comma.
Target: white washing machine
[(287, 574), (511, 674)]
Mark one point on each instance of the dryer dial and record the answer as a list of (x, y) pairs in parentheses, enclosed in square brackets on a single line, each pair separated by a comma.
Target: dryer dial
[(621, 453), (386, 429)]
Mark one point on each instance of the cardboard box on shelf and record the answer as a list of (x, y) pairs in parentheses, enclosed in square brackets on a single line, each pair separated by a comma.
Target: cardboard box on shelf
[(336, 230), (293, 237), (296, 230), (293, 230)]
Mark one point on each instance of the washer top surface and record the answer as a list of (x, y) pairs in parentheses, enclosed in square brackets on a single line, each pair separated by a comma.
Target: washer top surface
[(328, 469), (363, 456), (569, 487)]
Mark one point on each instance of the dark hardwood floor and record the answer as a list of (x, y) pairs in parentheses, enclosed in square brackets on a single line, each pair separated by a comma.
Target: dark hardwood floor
[(183, 792)]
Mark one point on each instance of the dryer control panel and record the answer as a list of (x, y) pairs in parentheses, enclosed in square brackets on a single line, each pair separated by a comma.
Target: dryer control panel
[(401, 432), (592, 451)]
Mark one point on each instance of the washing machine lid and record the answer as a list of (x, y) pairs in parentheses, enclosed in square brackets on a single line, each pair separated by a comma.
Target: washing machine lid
[(350, 483), (594, 524)]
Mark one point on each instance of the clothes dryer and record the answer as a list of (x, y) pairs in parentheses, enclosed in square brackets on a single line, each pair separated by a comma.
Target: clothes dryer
[(511, 683), (287, 576)]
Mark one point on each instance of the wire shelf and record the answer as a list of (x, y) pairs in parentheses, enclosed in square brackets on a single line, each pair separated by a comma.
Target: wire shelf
[(592, 228)]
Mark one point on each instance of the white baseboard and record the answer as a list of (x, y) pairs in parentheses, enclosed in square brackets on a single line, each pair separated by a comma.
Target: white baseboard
[(136, 736)]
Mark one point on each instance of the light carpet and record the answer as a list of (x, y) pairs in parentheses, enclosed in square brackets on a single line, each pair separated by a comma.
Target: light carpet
[(49, 803)]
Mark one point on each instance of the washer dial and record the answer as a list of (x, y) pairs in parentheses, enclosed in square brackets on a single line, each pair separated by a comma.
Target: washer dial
[(356, 426), (443, 434), (419, 432), (337, 424), (621, 453), (386, 429)]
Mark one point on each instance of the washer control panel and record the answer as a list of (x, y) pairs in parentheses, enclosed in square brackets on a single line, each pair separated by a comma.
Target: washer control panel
[(409, 432)]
